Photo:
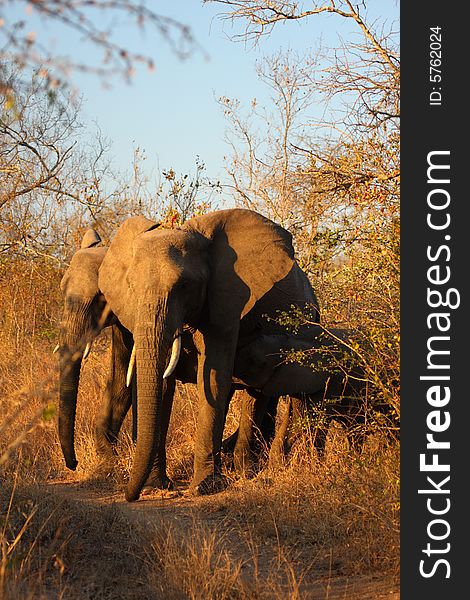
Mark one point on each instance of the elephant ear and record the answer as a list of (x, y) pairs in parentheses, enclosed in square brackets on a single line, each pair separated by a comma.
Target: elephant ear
[(113, 272), (81, 277), (250, 255), (90, 239)]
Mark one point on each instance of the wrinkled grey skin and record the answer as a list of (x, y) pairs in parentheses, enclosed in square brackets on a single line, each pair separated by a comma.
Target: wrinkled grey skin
[(82, 320), (220, 274), (262, 366)]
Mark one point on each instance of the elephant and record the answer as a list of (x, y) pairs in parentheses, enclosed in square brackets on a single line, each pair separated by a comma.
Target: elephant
[(84, 309), (85, 315), (332, 380), (255, 432), (224, 275), (82, 318)]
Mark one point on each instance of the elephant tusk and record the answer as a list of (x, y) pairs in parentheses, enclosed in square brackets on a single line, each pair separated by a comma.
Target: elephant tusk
[(130, 369), (86, 352), (175, 354), (56, 349)]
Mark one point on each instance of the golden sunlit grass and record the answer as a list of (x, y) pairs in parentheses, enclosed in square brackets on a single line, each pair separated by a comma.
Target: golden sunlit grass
[(292, 532), (263, 538), (55, 547)]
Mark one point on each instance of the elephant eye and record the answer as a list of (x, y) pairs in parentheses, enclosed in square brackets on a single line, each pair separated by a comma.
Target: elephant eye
[(101, 300)]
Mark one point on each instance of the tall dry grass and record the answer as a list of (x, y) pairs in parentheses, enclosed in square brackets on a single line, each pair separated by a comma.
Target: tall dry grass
[(290, 533)]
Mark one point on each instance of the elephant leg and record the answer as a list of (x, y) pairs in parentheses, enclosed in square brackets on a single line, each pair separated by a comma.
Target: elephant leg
[(278, 451), (264, 419), (251, 440), (228, 445), (267, 421), (158, 478), (117, 396), (289, 431), (215, 367), (243, 452)]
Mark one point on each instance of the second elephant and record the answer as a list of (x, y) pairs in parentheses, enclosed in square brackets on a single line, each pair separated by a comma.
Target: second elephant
[(327, 378)]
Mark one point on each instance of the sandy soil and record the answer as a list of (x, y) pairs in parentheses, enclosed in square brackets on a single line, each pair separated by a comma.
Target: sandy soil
[(320, 579)]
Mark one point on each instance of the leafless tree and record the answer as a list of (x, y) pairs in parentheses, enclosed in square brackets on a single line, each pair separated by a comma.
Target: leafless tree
[(50, 174), (367, 70), (93, 21), (56, 179), (324, 178), (261, 138)]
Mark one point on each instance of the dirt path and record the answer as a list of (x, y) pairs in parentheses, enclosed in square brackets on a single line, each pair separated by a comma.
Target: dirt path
[(319, 580)]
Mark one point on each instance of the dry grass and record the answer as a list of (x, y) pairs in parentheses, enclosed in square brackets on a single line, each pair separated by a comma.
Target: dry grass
[(294, 533), (55, 547), (272, 537)]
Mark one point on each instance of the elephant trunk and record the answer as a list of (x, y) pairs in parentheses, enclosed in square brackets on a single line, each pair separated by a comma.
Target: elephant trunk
[(153, 337), (73, 335), (69, 378)]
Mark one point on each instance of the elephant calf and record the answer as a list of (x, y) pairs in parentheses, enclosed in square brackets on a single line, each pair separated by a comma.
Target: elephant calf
[(328, 380)]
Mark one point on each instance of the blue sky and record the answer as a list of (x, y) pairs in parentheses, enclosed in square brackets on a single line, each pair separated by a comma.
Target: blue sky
[(172, 113)]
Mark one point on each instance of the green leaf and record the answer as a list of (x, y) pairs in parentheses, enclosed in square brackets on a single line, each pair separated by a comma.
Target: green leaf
[(49, 412)]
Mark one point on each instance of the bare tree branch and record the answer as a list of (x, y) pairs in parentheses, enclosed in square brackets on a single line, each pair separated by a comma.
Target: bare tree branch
[(93, 21)]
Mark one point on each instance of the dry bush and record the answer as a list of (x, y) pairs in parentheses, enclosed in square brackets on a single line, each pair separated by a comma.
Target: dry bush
[(363, 295), (181, 433), (278, 536), (30, 305), (28, 384), (28, 405), (341, 510)]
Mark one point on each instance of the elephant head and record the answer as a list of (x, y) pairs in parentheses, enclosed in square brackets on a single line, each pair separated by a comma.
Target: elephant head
[(211, 273), (83, 317)]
